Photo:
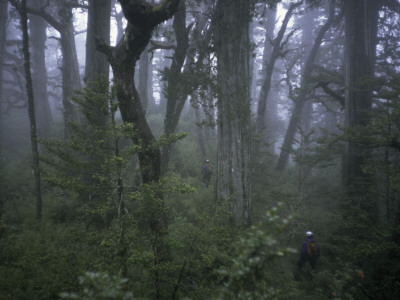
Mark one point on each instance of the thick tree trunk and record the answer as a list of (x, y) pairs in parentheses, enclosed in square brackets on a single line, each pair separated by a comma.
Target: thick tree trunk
[(99, 14), (304, 90), (70, 73), (360, 50), (96, 66), (31, 108), (38, 29), (142, 19), (232, 47)]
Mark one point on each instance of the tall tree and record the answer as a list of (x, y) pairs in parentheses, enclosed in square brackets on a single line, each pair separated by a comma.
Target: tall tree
[(361, 19), (59, 16), (305, 87), (142, 18), (38, 28), (176, 96), (3, 26), (21, 7), (99, 19), (271, 57), (232, 46)]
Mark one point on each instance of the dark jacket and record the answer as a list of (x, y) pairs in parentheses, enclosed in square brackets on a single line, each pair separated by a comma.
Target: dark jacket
[(206, 169), (303, 251)]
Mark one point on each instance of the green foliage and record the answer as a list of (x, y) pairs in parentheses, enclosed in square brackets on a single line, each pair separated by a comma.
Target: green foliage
[(249, 276), (39, 261), (90, 162), (100, 286)]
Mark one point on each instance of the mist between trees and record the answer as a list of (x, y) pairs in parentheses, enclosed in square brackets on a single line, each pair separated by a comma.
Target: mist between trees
[(180, 149)]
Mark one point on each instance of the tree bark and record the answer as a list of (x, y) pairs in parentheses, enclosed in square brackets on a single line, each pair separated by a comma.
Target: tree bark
[(142, 19), (360, 55), (70, 73), (99, 14), (3, 27), (96, 66), (232, 48)]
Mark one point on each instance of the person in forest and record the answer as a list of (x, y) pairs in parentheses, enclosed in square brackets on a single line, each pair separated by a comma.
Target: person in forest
[(309, 252), (206, 171)]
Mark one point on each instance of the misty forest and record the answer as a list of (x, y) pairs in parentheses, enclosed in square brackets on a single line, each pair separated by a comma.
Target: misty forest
[(195, 149)]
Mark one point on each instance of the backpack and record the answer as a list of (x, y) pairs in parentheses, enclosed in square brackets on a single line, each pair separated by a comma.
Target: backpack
[(207, 170), (312, 248)]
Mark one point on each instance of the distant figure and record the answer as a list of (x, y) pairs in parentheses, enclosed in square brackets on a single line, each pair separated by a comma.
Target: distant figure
[(206, 171), (309, 251)]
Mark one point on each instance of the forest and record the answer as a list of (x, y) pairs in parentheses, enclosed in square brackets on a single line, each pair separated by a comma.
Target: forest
[(194, 149)]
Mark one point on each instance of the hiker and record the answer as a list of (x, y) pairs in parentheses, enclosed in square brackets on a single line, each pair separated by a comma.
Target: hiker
[(309, 251), (206, 171)]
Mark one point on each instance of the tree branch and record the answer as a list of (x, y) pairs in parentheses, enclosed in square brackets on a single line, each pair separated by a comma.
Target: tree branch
[(330, 92)]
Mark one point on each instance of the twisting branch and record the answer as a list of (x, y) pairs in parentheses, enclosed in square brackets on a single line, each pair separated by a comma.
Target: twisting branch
[(330, 92)]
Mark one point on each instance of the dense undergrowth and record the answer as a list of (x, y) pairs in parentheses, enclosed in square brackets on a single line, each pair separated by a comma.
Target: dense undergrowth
[(94, 248)]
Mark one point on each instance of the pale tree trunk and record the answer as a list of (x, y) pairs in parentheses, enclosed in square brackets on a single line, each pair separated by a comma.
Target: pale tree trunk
[(360, 54), (307, 37), (97, 66), (38, 36), (21, 7), (272, 103), (70, 66), (96, 71), (99, 14), (3, 37), (272, 53), (200, 133), (304, 90), (143, 78), (70, 74), (232, 48)]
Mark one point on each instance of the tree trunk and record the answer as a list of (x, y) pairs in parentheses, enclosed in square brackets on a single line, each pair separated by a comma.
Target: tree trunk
[(304, 90), (275, 52), (3, 26), (70, 66), (176, 95), (360, 50), (96, 66), (143, 79), (99, 14), (232, 48), (70, 73), (38, 38), (200, 133), (31, 107), (142, 19)]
